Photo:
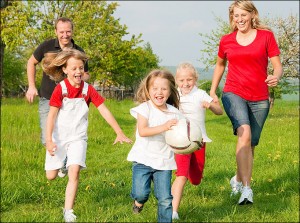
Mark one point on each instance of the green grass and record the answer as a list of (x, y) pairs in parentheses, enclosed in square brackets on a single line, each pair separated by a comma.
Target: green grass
[(103, 195)]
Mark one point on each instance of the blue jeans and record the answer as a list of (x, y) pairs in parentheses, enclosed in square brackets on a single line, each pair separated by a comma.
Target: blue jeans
[(243, 112), (43, 112), (141, 186)]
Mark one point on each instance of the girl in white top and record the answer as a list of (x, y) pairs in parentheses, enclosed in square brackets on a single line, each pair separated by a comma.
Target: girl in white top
[(193, 105), (152, 158)]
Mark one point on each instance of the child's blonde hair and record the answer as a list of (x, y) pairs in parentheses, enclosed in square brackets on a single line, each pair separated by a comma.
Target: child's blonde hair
[(53, 62), (187, 66), (142, 94)]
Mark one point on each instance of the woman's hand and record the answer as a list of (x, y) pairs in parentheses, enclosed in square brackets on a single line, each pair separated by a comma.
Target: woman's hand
[(272, 80)]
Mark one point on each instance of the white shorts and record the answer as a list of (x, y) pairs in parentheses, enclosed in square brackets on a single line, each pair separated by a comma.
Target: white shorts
[(74, 151)]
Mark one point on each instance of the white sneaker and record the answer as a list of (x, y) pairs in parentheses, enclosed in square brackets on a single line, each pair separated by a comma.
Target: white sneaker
[(236, 187), (246, 196), (175, 215), (63, 171), (69, 216)]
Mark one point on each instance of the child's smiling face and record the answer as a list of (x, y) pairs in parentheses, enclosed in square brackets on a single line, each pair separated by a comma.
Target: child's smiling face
[(159, 92), (186, 80), (74, 70)]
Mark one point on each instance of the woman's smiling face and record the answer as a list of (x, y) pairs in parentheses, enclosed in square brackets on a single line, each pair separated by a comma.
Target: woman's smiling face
[(242, 18)]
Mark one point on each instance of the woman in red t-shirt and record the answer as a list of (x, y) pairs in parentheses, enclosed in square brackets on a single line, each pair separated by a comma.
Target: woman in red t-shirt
[(245, 95)]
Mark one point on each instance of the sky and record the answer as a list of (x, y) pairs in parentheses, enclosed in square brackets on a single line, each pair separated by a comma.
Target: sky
[(172, 27)]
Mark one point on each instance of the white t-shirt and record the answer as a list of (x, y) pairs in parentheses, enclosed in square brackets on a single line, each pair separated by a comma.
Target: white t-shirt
[(191, 107), (152, 150)]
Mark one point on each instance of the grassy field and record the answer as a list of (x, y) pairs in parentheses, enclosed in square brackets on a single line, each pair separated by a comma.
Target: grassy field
[(103, 195)]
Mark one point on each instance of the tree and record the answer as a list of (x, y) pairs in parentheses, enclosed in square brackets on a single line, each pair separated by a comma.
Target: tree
[(96, 31), (13, 74), (287, 33), (4, 4), (206, 85)]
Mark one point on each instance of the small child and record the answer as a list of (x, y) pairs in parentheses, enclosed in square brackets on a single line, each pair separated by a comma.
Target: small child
[(152, 158), (193, 104), (66, 130)]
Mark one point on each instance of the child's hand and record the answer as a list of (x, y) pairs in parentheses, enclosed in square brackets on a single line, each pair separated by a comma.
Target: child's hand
[(51, 147), (168, 125), (121, 137), (206, 104)]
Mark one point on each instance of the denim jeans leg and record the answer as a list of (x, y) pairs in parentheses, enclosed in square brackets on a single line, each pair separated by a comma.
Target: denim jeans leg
[(43, 112), (162, 190), (141, 182), (258, 114)]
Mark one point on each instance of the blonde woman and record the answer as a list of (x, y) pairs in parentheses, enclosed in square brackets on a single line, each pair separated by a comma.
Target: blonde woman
[(245, 94)]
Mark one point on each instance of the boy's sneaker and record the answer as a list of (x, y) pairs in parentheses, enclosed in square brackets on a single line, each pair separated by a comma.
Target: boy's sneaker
[(246, 196), (136, 209), (175, 215), (63, 171), (236, 187), (69, 216)]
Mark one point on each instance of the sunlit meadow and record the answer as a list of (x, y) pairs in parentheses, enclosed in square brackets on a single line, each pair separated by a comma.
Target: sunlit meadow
[(103, 195)]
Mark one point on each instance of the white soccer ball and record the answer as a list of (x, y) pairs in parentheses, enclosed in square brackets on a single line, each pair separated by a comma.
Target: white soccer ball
[(184, 137)]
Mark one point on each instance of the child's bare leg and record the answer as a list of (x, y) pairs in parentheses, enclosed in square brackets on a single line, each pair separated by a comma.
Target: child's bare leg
[(177, 191), (71, 189), (51, 174)]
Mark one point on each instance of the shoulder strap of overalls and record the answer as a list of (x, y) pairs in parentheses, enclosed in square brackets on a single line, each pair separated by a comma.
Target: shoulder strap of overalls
[(64, 88), (85, 89)]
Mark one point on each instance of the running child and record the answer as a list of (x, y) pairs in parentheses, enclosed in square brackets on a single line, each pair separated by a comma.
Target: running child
[(67, 122)]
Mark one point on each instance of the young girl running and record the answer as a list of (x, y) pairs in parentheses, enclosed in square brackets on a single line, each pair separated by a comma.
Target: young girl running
[(66, 131), (152, 158), (193, 104)]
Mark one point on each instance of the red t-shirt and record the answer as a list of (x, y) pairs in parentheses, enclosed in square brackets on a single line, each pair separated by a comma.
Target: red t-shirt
[(92, 95), (247, 65)]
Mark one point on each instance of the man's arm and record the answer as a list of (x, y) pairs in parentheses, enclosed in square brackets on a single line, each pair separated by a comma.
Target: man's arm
[(31, 70)]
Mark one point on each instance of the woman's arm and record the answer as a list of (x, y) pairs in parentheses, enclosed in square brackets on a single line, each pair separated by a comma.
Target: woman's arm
[(272, 80), (218, 73)]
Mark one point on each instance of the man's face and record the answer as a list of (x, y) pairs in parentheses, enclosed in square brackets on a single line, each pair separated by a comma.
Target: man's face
[(64, 32)]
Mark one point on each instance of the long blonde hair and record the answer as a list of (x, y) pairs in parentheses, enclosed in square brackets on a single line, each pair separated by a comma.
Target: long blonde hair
[(248, 6), (53, 62), (142, 94)]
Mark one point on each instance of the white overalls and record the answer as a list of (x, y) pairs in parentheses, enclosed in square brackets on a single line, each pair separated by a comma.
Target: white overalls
[(70, 131)]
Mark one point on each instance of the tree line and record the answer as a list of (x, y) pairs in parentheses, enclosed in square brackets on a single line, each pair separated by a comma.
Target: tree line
[(114, 59)]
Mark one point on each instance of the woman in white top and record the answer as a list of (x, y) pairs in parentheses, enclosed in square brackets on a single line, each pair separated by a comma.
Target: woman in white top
[(152, 158)]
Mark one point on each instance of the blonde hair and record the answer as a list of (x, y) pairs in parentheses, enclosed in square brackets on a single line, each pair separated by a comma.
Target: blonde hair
[(53, 62), (143, 95), (248, 6), (187, 66)]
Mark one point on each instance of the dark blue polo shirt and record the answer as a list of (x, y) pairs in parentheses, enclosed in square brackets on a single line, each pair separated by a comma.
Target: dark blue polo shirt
[(52, 45)]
